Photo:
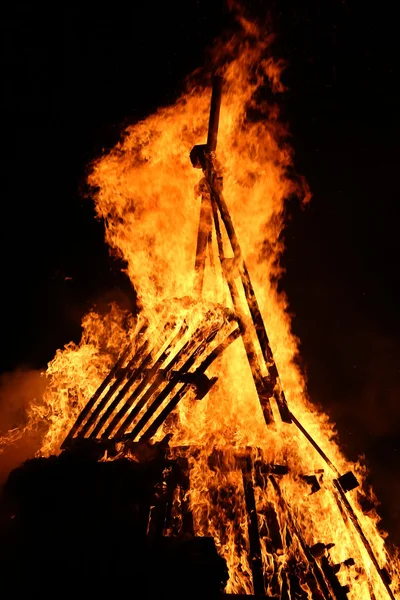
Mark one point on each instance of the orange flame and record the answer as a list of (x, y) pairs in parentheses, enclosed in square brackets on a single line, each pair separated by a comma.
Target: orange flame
[(144, 193)]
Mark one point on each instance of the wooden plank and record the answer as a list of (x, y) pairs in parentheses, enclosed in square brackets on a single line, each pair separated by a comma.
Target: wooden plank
[(215, 107), (253, 531)]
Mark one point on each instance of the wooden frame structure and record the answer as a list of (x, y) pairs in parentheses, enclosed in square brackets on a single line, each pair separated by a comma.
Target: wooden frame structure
[(139, 395)]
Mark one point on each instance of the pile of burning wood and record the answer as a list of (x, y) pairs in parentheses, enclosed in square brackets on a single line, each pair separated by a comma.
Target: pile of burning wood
[(118, 500)]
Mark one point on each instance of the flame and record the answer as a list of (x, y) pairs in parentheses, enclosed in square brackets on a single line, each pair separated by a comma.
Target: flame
[(144, 192)]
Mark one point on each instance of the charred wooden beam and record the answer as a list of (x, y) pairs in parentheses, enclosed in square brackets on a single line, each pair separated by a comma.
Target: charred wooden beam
[(348, 481), (253, 531), (200, 153), (213, 122)]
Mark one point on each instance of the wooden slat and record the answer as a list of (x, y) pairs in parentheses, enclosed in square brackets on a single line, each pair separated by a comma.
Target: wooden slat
[(159, 420), (180, 355), (146, 378), (111, 391), (86, 410), (175, 380), (255, 558)]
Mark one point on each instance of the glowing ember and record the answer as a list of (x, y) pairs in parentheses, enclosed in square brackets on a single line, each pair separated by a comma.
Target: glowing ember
[(144, 192)]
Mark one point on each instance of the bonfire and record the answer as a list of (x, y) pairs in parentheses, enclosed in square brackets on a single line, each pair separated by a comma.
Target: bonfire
[(193, 199)]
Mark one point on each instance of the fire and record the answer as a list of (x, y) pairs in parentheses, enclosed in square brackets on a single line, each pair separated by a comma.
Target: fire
[(144, 192)]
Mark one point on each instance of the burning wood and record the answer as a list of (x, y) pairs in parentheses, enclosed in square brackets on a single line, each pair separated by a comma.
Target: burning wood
[(250, 469), (167, 367), (157, 374)]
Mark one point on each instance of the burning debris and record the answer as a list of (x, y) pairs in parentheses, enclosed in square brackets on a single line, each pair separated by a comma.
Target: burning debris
[(248, 485)]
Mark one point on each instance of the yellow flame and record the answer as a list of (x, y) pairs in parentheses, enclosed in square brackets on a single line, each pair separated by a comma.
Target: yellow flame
[(145, 195)]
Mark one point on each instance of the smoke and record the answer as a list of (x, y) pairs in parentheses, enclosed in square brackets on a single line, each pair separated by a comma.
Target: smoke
[(18, 390)]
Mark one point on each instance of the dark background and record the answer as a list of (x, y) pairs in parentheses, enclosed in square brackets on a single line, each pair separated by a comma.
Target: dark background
[(71, 77)]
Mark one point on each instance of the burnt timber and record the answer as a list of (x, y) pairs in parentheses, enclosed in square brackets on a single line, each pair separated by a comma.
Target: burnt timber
[(152, 539), (187, 368)]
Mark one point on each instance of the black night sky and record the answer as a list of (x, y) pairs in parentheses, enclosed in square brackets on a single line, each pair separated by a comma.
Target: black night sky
[(72, 77)]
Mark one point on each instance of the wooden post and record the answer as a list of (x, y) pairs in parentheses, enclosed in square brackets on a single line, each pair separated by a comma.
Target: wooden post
[(205, 222), (215, 107), (203, 239), (254, 536)]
